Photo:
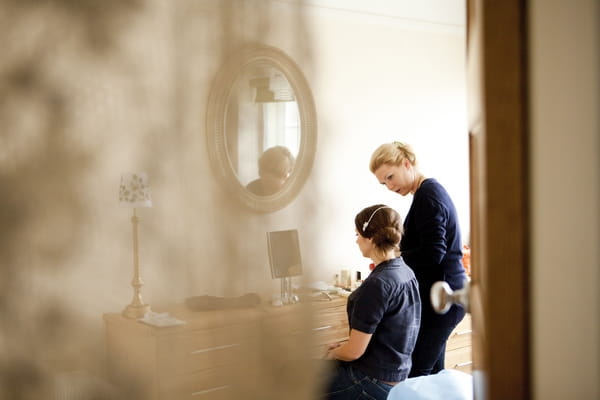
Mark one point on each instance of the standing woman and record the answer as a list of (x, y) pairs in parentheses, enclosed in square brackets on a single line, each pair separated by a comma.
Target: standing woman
[(383, 314), (431, 245)]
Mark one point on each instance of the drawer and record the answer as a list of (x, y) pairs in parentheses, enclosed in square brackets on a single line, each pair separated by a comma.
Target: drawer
[(304, 330), (333, 316), (214, 384), (327, 334), (330, 325), (461, 335), (209, 338), (199, 350), (208, 384), (459, 359), (286, 325), (305, 321)]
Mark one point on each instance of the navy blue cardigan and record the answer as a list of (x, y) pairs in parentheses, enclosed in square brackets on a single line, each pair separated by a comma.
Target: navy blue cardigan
[(431, 244)]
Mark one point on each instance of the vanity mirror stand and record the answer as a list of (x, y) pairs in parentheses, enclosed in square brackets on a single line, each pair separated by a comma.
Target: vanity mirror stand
[(283, 248), (287, 291)]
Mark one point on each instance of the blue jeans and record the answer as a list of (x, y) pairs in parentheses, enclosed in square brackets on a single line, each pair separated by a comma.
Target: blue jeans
[(347, 383)]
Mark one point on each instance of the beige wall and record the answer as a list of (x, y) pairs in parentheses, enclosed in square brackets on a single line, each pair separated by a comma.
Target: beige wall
[(91, 93), (136, 101), (565, 99)]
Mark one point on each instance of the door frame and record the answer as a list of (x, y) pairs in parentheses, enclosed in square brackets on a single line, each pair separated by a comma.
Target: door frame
[(499, 165)]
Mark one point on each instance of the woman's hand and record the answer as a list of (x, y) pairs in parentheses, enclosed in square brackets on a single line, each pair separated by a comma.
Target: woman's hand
[(329, 355), (351, 350)]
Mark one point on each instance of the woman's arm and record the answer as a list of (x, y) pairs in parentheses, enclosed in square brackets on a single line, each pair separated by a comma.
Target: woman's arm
[(352, 349)]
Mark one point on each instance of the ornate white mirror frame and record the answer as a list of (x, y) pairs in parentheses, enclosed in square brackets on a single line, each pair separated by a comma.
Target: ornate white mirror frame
[(226, 80)]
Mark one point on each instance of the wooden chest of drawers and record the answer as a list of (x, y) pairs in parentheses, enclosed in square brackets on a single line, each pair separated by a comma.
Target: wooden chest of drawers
[(293, 330), (209, 357), (228, 354), (458, 347)]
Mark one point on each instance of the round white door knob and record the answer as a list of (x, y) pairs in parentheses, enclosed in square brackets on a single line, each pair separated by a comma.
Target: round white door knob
[(442, 297)]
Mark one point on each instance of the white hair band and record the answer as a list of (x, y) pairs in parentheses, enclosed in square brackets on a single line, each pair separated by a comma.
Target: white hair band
[(371, 217)]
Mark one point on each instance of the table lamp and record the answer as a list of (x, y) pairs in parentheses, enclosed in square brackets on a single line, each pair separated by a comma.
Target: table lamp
[(133, 193)]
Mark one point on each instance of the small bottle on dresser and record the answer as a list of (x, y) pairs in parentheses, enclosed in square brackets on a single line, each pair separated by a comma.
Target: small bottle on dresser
[(358, 280)]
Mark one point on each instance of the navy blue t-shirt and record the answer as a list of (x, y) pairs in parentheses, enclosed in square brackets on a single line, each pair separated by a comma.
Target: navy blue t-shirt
[(431, 244), (387, 305)]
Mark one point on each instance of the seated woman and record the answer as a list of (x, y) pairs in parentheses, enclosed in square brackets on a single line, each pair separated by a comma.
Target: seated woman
[(384, 314), (274, 167)]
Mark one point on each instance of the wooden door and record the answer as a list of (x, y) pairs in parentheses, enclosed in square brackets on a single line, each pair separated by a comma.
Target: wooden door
[(497, 91)]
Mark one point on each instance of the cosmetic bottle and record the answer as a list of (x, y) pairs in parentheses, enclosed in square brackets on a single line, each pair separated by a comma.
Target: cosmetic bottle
[(358, 279)]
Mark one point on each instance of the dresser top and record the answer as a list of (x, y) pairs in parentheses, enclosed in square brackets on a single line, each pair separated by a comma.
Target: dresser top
[(201, 320)]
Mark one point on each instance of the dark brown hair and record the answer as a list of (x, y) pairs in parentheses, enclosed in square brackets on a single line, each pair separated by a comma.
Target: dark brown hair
[(381, 224)]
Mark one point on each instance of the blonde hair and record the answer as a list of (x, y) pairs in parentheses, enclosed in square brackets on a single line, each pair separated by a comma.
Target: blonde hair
[(393, 154)]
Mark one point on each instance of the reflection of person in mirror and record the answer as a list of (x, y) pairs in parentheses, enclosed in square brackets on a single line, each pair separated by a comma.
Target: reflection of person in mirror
[(274, 168), (383, 314), (431, 246)]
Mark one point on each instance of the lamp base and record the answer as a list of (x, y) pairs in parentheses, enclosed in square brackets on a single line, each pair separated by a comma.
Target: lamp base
[(132, 311)]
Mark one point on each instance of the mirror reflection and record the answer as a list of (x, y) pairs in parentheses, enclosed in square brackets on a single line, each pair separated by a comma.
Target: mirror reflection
[(274, 168), (263, 130), (261, 127)]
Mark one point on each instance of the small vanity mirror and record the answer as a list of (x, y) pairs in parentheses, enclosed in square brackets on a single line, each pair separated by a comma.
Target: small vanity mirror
[(284, 253), (261, 127)]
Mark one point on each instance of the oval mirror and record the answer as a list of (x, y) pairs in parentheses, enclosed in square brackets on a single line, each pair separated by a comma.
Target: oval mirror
[(261, 127)]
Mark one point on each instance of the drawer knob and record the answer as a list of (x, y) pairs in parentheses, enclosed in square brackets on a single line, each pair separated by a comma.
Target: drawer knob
[(203, 392), (463, 364), (442, 297), (465, 332), (322, 328), (225, 346)]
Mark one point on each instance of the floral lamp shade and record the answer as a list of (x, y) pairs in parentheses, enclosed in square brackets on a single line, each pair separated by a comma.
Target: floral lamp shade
[(134, 190)]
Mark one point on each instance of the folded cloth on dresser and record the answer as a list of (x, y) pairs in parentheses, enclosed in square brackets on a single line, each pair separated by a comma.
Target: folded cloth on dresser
[(207, 303), (448, 384)]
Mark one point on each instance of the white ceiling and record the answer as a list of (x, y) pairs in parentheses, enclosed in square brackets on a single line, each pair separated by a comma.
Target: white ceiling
[(443, 12)]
